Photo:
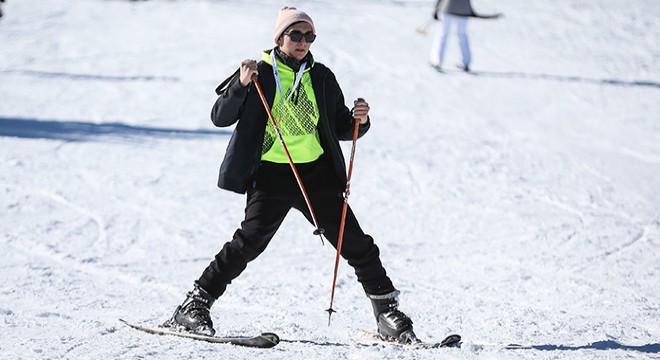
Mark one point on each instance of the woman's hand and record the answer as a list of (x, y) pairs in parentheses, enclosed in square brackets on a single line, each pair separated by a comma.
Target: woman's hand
[(361, 110), (248, 68)]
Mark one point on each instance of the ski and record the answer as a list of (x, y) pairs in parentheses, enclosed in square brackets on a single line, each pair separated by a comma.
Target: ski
[(453, 340), (264, 341)]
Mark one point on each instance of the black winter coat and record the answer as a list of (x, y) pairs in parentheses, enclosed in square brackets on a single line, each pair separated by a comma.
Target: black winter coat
[(243, 106)]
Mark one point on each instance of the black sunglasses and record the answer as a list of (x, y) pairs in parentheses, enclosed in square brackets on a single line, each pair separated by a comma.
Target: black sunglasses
[(296, 36)]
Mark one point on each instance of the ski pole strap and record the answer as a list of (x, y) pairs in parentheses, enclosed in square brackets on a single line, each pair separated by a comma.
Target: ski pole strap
[(223, 86)]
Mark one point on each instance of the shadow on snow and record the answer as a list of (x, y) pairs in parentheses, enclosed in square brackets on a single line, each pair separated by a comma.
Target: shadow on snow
[(561, 78), (85, 131), (599, 345), (312, 342), (578, 79), (74, 76)]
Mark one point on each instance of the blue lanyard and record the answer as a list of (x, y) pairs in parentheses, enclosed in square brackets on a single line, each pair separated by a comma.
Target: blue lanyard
[(277, 77)]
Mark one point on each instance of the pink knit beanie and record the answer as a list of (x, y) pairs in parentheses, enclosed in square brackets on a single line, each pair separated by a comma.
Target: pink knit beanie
[(287, 17)]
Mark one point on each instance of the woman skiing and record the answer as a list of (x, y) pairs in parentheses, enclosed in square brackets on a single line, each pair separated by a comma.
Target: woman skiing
[(311, 115)]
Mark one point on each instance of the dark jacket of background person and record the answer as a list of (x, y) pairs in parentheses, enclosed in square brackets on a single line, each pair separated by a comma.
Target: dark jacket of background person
[(454, 7)]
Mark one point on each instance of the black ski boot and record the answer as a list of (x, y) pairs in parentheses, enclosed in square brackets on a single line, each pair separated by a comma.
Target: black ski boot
[(194, 314), (393, 325)]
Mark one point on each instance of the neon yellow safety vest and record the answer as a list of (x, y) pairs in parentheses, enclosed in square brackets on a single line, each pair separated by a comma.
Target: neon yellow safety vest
[(297, 117)]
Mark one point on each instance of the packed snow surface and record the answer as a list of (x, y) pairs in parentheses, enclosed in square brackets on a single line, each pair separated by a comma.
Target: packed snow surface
[(519, 204)]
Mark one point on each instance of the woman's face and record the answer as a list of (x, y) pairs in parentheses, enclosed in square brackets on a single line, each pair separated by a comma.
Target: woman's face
[(296, 49)]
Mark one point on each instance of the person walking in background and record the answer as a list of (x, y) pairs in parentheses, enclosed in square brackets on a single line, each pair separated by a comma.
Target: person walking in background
[(308, 103), (452, 14)]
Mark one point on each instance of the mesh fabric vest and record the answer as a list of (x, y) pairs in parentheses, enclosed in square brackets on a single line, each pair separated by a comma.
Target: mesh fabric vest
[(296, 115)]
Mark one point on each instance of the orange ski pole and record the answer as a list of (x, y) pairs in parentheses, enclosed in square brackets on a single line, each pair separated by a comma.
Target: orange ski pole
[(319, 231), (344, 209)]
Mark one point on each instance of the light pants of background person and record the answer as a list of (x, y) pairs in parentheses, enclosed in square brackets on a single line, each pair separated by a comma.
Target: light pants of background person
[(442, 34)]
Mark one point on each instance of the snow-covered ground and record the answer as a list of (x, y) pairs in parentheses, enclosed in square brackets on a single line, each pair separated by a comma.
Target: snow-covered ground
[(519, 204)]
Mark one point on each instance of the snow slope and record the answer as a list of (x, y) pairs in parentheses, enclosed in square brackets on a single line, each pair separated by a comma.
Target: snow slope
[(519, 204)]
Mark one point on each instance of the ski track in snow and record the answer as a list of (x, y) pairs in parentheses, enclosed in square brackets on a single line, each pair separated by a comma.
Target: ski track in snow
[(101, 239), (514, 205)]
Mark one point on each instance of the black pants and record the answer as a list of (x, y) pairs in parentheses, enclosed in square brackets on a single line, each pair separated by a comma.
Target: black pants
[(269, 201)]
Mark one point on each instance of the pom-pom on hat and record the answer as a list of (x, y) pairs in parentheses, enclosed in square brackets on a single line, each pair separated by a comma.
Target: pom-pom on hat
[(287, 17)]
